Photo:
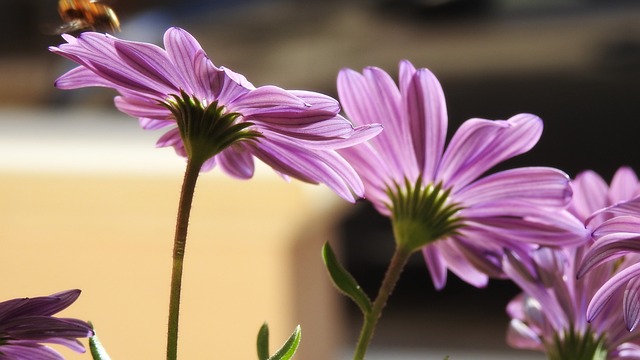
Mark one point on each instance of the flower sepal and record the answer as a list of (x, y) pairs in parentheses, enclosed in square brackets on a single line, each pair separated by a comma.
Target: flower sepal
[(571, 345), (207, 129), (95, 346), (421, 214)]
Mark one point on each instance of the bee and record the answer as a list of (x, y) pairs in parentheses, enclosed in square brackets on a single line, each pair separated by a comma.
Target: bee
[(83, 15)]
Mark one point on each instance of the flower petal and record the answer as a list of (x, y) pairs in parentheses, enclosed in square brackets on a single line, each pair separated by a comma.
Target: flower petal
[(98, 53), (373, 97), (427, 115), (520, 336), (182, 49), (436, 264), (311, 166), (607, 248), (631, 304), (143, 108), (80, 77), (19, 351), (606, 292), (373, 170), (480, 144), (631, 207), (237, 162), (263, 101), (458, 264), (535, 185), (37, 306), (624, 185), (590, 194)]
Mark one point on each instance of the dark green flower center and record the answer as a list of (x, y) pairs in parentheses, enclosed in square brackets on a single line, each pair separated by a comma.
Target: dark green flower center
[(571, 345), (206, 130), (422, 214)]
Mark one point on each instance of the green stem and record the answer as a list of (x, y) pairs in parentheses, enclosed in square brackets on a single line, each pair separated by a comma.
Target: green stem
[(182, 225), (398, 262)]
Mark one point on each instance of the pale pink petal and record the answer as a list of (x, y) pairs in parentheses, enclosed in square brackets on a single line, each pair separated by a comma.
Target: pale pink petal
[(624, 185), (590, 194)]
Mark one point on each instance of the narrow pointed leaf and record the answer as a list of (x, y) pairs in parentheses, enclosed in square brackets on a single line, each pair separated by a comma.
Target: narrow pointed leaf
[(263, 342), (97, 350), (344, 281), (289, 348)]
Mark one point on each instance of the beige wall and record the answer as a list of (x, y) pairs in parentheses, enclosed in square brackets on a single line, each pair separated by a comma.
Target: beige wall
[(253, 254)]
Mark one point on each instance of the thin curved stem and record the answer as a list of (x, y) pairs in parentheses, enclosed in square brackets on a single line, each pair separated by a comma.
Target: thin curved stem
[(397, 264), (182, 224)]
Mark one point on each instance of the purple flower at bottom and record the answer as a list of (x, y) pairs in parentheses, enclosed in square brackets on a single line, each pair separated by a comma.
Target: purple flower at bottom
[(27, 323), (434, 194), (552, 314), (616, 250), (214, 114)]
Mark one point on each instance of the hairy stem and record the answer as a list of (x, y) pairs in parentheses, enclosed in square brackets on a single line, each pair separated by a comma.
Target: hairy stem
[(398, 262), (182, 224)]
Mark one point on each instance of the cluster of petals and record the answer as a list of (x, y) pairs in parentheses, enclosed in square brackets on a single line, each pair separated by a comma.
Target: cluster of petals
[(27, 323), (616, 250), (507, 209), (300, 131), (557, 291)]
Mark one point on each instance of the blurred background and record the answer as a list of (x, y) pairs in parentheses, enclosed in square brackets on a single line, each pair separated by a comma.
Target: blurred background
[(65, 154)]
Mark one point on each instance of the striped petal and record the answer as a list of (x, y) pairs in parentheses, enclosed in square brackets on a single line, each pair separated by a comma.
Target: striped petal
[(427, 115), (480, 144), (535, 185)]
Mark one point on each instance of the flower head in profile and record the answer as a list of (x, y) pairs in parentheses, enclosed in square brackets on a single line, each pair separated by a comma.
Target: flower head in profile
[(551, 314), (214, 115), (27, 323), (615, 252), (433, 193)]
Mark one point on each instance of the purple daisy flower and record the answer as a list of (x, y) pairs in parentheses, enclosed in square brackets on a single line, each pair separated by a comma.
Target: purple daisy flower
[(216, 116), (432, 192), (552, 313), (27, 323), (616, 237)]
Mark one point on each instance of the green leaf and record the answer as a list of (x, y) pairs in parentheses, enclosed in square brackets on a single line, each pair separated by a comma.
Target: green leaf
[(263, 342), (97, 350), (344, 281), (289, 348)]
